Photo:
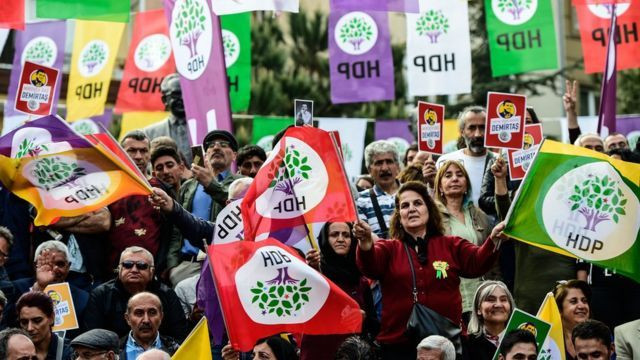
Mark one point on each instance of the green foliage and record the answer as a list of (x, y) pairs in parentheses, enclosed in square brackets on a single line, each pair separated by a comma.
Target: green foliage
[(229, 46), (95, 55), (355, 30), (513, 5), (154, 48), (599, 194), (432, 22), (51, 172), (281, 299), (40, 52), (28, 147), (190, 17)]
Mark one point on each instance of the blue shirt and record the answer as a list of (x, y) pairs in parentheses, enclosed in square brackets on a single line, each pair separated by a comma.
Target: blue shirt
[(133, 349)]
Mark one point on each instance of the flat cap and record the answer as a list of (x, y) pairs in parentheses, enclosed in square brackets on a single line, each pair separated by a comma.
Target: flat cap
[(98, 339), (220, 134)]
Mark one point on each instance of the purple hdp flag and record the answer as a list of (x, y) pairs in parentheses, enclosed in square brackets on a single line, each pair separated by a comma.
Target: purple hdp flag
[(197, 48), (41, 43), (407, 6), (607, 115), (360, 61), (207, 299)]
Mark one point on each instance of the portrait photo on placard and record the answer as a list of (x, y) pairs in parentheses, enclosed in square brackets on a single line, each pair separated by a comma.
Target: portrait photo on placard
[(303, 112)]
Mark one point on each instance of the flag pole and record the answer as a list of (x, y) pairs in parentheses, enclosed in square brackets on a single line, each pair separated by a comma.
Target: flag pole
[(607, 109)]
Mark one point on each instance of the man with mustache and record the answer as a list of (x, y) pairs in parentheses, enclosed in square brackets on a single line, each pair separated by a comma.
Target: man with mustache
[(167, 166), (474, 157), (144, 316)]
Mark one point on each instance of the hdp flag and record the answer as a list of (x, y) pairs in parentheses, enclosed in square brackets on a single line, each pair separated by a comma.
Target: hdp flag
[(594, 21), (264, 128), (196, 345), (302, 182), (12, 14), (236, 42), (607, 114), (405, 6), (95, 46), (60, 172), (225, 7), (522, 36), (265, 289), (149, 60), (580, 203), (102, 10), (553, 348)]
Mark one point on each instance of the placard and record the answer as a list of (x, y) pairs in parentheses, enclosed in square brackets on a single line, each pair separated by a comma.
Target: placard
[(303, 112), (36, 89), (504, 127), (519, 160), (64, 310), (430, 121), (521, 320)]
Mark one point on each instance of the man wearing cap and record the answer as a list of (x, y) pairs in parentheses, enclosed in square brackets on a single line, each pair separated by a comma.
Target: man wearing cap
[(96, 342), (204, 196)]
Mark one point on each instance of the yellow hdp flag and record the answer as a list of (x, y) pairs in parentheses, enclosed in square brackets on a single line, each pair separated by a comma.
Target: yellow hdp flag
[(553, 348), (138, 120), (196, 345), (95, 46)]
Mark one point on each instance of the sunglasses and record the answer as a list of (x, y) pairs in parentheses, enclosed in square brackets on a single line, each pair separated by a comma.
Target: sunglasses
[(32, 357), (141, 265)]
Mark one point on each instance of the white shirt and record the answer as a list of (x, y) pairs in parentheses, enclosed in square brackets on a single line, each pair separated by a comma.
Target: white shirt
[(474, 166)]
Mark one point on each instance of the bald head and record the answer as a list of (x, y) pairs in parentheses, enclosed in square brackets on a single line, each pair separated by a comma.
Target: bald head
[(154, 354), (144, 298)]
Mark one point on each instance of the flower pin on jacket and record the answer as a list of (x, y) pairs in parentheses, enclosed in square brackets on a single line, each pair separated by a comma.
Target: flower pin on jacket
[(441, 268)]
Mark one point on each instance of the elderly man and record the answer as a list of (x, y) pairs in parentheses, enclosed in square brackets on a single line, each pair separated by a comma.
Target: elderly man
[(154, 354), (376, 204), (15, 344), (590, 141), (108, 302), (615, 141), (250, 159), (474, 157), (592, 340), (96, 343), (144, 316), (436, 347), (175, 126), (167, 166), (518, 345)]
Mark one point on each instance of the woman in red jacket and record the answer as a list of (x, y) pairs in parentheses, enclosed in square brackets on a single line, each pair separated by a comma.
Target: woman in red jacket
[(438, 260)]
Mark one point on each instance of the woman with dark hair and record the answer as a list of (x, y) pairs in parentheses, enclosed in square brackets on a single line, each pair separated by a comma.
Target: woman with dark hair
[(338, 263), (438, 261), (36, 316), (573, 298), (269, 348)]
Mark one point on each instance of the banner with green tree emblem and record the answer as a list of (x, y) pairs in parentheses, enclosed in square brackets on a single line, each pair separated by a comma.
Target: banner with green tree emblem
[(522, 36), (236, 44)]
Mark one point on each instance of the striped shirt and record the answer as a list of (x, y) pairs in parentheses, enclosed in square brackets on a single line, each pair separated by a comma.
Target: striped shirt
[(368, 214)]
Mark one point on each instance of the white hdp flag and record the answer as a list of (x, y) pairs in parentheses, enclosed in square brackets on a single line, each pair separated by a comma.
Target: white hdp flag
[(438, 49), (352, 138), (225, 7)]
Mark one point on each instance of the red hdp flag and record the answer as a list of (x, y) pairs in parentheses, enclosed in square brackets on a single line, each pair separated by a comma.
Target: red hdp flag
[(103, 139), (302, 182), (265, 289), (594, 18), (12, 14), (149, 60)]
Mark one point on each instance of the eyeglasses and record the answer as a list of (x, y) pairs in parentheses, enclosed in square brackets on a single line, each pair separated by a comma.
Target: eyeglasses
[(222, 143), (141, 265), (87, 354)]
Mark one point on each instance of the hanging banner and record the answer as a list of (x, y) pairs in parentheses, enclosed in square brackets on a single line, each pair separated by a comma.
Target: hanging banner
[(140, 120), (504, 127), (595, 22), (148, 62), (12, 14), (522, 36), (360, 61), (36, 89), (404, 6), (430, 123), (439, 49), (264, 128), (351, 133), (95, 47), (396, 131), (42, 44), (101, 10), (520, 160), (225, 7), (197, 48), (236, 42)]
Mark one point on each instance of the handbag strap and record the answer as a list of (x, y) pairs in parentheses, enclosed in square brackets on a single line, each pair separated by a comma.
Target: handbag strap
[(376, 208), (413, 274)]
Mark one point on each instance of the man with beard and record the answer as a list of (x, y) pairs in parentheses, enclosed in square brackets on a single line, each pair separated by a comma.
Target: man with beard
[(474, 157), (175, 126)]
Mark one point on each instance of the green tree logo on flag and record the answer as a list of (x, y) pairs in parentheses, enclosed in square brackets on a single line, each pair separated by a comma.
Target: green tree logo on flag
[(293, 170), (53, 172), (231, 46), (432, 24), (41, 50), (356, 33), (93, 58), (597, 200), (346, 152), (29, 147), (281, 295), (152, 52), (190, 33), (514, 12), (85, 127)]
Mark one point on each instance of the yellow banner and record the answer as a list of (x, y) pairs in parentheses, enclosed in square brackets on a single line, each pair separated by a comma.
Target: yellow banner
[(95, 46), (139, 120)]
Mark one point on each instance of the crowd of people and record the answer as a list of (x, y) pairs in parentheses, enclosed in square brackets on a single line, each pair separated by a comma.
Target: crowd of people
[(429, 233)]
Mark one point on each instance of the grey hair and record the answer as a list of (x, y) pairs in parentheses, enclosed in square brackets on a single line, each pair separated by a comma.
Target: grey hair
[(482, 293), (239, 187), (377, 148), (441, 343), (7, 235), (476, 109), (164, 85), (578, 141), (53, 245), (154, 354), (136, 250)]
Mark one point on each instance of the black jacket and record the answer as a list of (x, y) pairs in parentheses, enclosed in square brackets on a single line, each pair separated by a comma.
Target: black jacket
[(108, 304), (477, 347)]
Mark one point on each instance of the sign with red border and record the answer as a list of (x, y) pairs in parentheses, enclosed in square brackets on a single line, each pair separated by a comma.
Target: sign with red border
[(520, 160), (504, 127), (430, 122), (36, 89)]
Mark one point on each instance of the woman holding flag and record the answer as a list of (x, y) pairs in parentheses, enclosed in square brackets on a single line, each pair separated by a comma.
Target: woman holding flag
[(438, 262)]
